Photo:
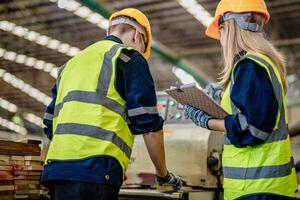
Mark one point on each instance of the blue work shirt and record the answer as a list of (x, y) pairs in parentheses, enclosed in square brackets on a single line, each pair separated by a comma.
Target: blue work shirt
[(135, 84), (253, 95)]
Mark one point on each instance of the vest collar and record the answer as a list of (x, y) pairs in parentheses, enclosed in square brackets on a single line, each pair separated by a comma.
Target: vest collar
[(113, 38)]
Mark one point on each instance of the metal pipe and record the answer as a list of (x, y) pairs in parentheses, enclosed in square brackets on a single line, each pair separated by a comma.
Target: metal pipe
[(96, 7)]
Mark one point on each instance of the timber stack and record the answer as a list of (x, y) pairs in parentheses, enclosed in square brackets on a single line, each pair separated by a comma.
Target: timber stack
[(21, 167)]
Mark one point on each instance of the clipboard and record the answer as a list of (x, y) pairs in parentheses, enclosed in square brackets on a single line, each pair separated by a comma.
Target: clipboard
[(189, 94)]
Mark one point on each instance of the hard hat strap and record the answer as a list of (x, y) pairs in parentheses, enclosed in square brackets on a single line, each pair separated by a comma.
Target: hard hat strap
[(125, 20), (241, 20)]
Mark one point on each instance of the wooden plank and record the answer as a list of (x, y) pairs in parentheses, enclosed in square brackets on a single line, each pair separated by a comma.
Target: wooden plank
[(35, 173), (22, 191), (34, 168), (6, 182), (21, 196), (5, 168), (4, 177), (34, 177), (33, 182), (7, 197), (33, 158), (33, 186), (22, 187), (7, 187), (4, 160), (34, 191), (21, 182), (33, 163), (21, 177), (10, 192), (17, 162), (21, 172), (19, 158)]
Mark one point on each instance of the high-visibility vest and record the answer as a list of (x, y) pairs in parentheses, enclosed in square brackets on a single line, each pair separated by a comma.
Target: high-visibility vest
[(90, 117), (265, 168)]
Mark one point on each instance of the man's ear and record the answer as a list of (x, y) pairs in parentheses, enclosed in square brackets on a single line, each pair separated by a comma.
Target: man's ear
[(136, 36)]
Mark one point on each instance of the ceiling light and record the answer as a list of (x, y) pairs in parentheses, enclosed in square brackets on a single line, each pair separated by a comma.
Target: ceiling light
[(8, 106), (42, 40), (28, 116), (62, 3), (38, 38), (34, 119), (29, 61), (85, 13), (63, 48), (53, 44), (197, 10), (25, 87), (12, 126)]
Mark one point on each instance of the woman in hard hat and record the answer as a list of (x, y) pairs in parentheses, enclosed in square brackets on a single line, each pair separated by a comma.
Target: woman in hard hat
[(257, 161)]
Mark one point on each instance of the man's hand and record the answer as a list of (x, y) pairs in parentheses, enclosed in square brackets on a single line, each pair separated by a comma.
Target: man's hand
[(215, 91), (170, 179)]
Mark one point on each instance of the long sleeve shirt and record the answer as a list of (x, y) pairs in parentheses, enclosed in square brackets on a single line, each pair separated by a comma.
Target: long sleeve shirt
[(135, 85), (252, 93)]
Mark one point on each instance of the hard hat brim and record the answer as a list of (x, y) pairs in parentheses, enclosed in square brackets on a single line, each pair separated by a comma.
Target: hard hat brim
[(212, 30)]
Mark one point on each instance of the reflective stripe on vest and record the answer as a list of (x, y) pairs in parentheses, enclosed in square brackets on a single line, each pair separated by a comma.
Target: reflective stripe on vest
[(95, 132), (246, 170), (259, 172)]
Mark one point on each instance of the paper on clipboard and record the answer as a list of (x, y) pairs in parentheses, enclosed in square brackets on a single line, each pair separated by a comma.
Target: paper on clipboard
[(189, 94)]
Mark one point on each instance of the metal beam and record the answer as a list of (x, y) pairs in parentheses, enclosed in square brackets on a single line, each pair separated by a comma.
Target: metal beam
[(96, 7)]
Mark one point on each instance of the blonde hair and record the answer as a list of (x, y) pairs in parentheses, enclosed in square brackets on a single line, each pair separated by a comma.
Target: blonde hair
[(235, 39)]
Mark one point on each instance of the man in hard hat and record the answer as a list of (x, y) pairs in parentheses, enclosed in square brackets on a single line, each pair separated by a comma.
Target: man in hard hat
[(102, 98)]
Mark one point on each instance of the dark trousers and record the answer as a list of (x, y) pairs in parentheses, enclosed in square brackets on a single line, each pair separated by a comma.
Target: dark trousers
[(72, 190)]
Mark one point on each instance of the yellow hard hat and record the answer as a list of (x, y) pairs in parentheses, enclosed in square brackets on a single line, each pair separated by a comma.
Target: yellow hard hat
[(142, 20), (236, 6)]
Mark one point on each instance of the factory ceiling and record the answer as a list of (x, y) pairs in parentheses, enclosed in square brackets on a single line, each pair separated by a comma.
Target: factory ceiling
[(36, 36)]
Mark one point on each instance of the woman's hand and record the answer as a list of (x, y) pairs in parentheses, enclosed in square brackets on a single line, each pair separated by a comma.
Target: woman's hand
[(199, 117), (215, 91)]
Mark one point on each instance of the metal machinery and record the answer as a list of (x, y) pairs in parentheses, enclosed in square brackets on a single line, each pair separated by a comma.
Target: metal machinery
[(192, 153)]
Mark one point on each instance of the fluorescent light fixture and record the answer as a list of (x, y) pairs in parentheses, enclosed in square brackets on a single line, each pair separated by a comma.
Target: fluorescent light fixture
[(38, 38), (197, 10), (29, 61), (25, 87), (8, 106), (62, 3), (34, 119), (12, 126), (83, 12), (28, 116)]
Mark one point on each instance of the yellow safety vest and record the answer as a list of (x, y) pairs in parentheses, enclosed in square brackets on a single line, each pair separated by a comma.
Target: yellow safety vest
[(90, 117), (265, 168)]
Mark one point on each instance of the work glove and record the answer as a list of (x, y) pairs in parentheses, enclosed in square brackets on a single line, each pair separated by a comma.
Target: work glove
[(170, 179), (199, 117), (214, 91)]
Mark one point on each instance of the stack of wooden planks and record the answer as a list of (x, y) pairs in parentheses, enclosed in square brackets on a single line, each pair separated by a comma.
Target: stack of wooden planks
[(20, 170)]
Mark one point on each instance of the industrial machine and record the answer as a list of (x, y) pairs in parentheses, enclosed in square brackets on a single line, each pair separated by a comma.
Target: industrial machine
[(192, 153)]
